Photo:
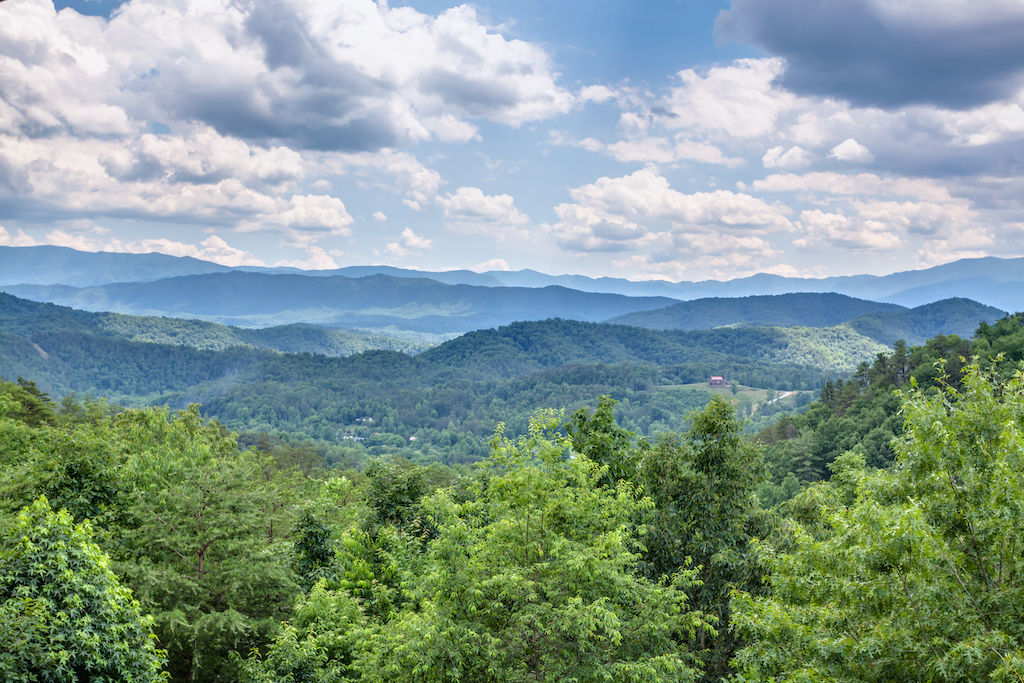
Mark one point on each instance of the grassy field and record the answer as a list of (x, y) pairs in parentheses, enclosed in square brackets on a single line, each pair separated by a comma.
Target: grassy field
[(748, 399)]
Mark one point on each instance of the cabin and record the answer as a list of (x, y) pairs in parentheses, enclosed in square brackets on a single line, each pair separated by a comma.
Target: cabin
[(717, 381)]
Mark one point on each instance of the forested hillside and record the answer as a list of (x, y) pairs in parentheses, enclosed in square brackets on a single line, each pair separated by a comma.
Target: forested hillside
[(27, 318), (917, 325), (440, 404), (863, 412), (884, 323), (577, 551), (803, 310)]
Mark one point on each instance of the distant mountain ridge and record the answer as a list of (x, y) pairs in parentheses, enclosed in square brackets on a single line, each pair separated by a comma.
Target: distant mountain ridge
[(992, 281), (249, 299), (804, 309)]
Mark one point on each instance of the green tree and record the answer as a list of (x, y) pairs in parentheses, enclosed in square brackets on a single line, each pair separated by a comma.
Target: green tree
[(597, 435), (911, 573), (199, 545), (702, 484), (64, 616), (534, 579)]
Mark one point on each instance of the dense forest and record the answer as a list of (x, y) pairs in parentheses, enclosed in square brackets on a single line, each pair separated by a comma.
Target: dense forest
[(872, 538), (438, 405)]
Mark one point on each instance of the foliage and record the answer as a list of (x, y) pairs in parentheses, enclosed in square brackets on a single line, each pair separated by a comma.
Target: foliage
[(204, 546), (64, 616), (911, 573), (531, 576), (702, 485)]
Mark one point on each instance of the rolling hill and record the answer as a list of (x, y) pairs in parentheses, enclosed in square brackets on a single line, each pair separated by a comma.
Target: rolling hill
[(29, 318), (884, 323), (916, 325)]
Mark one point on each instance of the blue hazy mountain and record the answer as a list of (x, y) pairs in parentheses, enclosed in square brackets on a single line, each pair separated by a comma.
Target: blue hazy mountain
[(47, 265), (251, 299), (992, 281)]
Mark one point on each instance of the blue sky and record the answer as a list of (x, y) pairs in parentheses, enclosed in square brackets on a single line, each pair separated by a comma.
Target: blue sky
[(687, 139)]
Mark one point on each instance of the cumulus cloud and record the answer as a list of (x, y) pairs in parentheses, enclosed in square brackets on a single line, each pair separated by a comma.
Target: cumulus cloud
[(401, 171), (468, 208), (739, 110), (200, 155), (89, 237), (683, 255), (316, 212), (218, 111), (660, 150), (595, 93), (658, 231), (19, 239), (851, 150), (408, 243), (830, 183), (735, 101), (780, 157), (317, 259), (491, 264), (970, 243), (353, 75), (955, 54), (828, 229)]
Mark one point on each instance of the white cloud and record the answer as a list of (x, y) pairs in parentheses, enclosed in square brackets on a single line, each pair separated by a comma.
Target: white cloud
[(919, 218), (661, 150), (595, 93), (316, 212), (468, 208), (779, 157), (317, 259), (491, 264), (348, 75), (379, 216), (851, 150), (825, 229), (969, 243), (699, 256), (95, 238), (830, 183), (201, 155), (641, 211), (404, 173), (20, 239), (736, 101), (987, 125), (408, 243)]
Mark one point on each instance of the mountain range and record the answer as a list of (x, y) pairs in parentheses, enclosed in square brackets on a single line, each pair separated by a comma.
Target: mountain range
[(374, 302), (992, 281)]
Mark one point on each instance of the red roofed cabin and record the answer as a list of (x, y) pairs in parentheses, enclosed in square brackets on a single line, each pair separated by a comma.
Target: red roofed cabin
[(717, 381)]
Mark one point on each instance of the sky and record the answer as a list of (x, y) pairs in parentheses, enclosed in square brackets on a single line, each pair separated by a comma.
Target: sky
[(669, 139)]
